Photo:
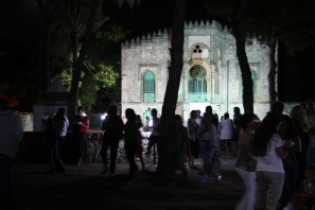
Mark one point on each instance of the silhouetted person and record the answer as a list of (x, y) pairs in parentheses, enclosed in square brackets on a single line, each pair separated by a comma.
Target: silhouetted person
[(131, 139), (209, 144), (62, 124), (237, 128), (193, 127), (10, 136), (179, 139), (301, 126), (113, 127), (80, 126), (155, 132), (226, 127), (209, 110), (277, 108), (53, 140)]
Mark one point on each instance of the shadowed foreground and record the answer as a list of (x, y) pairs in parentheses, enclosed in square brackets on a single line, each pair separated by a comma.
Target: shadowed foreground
[(83, 188)]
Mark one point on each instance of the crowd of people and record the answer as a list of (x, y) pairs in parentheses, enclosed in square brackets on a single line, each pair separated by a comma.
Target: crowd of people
[(275, 157)]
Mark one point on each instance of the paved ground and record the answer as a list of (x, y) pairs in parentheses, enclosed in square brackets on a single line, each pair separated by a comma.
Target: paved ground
[(82, 188)]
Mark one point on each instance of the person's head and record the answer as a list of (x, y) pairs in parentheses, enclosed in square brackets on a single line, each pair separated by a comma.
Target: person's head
[(237, 110), (61, 111), (178, 121), (226, 116), (130, 114), (112, 110), (207, 118), (80, 110), (311, 104), (139, 118), (209, 109), (147, 118), (154, 113), (198, 113), (277, 108), (264, 133), (286, 127), (4, 104), (249, 121), (310, 173), (193, 114), (299, 119)]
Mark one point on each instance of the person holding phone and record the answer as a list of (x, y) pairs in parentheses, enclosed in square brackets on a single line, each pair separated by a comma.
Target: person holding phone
[(80, 126)]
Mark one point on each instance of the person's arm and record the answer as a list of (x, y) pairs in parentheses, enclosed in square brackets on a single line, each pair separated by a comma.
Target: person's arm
[(297, 144), (304, 195), (87, 124), (282, 151), (246, 139)]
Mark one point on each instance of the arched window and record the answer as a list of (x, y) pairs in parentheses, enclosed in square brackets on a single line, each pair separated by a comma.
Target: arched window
[(197, 91), (148, 87)]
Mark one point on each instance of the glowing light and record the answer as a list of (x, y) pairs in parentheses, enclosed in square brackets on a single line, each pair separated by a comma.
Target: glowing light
[(151, 123), (83, 114), (103, 116)]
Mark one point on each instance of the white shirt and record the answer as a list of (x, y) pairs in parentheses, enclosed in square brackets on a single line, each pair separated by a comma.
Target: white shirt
[(10, 133), (271, 161), (226, 129), (62, 125)]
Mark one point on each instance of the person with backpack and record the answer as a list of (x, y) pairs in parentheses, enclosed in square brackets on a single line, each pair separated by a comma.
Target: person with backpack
[(132, 140), (226, 130), (113, 128), (80, 127)]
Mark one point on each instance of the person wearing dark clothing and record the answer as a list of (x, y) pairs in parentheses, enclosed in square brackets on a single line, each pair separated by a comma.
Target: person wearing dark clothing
[(10, 136), (113, 127), (215, 121), (131, 139), (237, 128), (62, 124), (287, 132), (80, 126), (53, 139), (301, 127)]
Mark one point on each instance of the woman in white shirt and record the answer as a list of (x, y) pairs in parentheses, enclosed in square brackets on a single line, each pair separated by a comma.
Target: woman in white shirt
[(226, 130), (269, 148)]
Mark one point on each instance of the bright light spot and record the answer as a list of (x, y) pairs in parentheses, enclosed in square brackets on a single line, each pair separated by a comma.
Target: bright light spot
[(151, 123), (103, 116), (83, 114)]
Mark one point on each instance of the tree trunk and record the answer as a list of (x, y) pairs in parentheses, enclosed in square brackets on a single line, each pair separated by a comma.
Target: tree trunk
[(272, 72), (46, 76), (76, 72), (49, 12), (175, 71), (239, 26)]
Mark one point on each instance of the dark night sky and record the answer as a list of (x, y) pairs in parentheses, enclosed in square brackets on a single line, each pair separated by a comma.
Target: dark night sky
[(20, 23)]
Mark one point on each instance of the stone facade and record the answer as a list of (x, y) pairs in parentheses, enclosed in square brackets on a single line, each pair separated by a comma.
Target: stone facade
[(211, 73)]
